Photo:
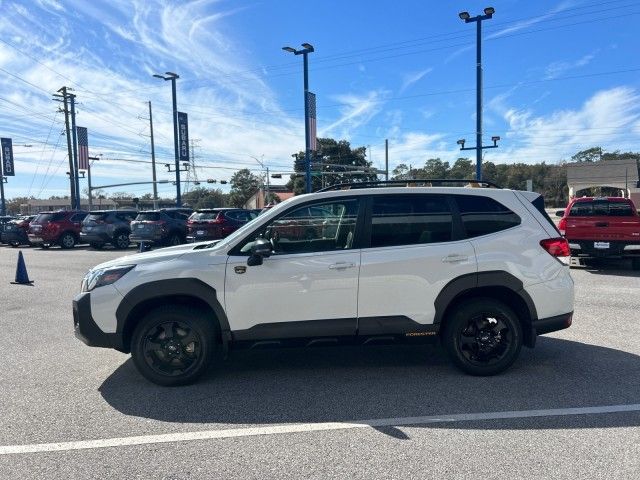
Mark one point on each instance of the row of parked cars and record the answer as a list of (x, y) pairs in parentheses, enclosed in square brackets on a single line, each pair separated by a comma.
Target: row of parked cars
[(120, 228)]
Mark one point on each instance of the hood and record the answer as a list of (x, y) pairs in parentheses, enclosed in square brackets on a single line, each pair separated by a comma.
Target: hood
[(159, 255)]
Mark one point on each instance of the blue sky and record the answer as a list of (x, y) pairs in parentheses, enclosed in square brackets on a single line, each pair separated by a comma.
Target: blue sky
[(560, 76)]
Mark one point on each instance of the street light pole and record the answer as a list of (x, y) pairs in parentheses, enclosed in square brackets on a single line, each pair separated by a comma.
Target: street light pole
[(488, 13), (306, 50), (172, 77)]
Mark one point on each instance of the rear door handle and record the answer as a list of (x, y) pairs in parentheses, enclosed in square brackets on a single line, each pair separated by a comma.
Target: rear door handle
[(454, 257), (341, 266)]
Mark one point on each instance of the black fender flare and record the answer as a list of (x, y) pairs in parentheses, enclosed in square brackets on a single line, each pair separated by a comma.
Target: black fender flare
[(189, 287), (471, 281)]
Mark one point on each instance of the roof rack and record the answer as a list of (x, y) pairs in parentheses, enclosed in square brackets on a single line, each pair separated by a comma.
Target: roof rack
[(422, 182)]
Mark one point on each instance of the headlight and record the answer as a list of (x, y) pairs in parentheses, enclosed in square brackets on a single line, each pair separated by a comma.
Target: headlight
[(104, 276)]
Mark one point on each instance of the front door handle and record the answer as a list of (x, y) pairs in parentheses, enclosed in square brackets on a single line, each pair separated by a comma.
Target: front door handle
[(341, 266), (454, 257)]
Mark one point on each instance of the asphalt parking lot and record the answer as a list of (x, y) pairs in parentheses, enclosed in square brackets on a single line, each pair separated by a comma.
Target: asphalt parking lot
[(568, 409)]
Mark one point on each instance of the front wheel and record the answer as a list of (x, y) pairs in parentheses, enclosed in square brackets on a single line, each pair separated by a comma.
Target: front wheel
[(482, 336), (173, 345), (121, 240)]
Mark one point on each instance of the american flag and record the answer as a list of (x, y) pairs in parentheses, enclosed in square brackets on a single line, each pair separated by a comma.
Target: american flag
[(311, 101), (83, 148)]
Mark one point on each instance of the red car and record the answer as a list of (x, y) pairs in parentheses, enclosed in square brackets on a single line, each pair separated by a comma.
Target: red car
[(602, 227), (216, 223), (56, 228)]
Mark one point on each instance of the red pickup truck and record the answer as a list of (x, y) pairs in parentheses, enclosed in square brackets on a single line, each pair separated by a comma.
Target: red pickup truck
[(607, 227)]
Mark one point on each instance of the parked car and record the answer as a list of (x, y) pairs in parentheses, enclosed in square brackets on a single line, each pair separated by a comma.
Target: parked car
[(4, 220), (602, 227), (15, 232), (56, 228), (483, 270), (108, 226), (216, 223), (167, 226)]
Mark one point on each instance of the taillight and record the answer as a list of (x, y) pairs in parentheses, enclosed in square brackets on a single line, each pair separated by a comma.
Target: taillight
[(562, 226), (556, 247)]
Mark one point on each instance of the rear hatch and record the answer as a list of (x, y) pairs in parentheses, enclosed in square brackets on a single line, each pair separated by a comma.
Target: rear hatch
[(94, 222), (42, 220), (204, 224), (147, 224)]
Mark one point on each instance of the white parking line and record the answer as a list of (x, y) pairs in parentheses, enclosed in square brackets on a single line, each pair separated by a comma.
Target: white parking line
[(306, 427)]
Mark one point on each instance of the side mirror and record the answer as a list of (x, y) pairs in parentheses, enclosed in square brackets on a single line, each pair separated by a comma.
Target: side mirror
[(560, 213), (260, 250)]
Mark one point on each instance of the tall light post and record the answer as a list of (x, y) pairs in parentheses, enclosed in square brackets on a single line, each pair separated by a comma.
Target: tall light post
[(488, 13), (172, 77), (307, 48), (266, 183)]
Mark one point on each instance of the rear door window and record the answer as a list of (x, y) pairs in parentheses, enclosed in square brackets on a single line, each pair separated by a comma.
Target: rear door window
[(410, 220), (148, 217), (49, 217), (483, 215)]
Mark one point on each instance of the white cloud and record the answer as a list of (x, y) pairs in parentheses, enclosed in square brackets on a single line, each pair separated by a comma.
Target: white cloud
[(357, 111), (411, 78), (532, 21), (556, 69)]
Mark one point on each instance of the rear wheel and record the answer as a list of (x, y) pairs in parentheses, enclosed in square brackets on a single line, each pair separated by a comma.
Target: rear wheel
[(67, 241), (173, 345), (482, 336), (635, 263), (121, 240)]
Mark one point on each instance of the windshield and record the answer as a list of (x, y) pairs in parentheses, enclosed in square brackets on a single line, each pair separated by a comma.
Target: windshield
[(250, 225)]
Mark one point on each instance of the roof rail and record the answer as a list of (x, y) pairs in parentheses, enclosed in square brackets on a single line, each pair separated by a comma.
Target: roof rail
[(422, 182)]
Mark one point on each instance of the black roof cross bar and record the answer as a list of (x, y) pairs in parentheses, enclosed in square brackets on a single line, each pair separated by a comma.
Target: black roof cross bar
[(421, 182)]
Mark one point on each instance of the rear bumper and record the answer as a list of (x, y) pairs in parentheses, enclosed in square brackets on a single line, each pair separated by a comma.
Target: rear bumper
[(616, 249), (85, 327), (552, 324), (34, 238)]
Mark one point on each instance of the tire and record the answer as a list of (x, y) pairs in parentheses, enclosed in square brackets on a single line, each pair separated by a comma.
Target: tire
[(67, 241), (121, 240), (14, 244), (635, 263), (96, 246), (174, 239), (45, 246), (160, 350), (482, 337)]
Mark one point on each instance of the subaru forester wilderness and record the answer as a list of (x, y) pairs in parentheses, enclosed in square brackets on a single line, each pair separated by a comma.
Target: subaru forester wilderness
[(484, 270)]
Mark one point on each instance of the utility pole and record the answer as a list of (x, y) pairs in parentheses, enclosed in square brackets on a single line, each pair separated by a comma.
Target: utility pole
[(153, 161), (386, 159), (72, 183), (76, 176), (90, 193), (3, 205)]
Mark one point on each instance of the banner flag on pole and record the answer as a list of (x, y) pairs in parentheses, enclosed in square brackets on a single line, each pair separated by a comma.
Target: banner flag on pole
[(83, 148), (183, 142), (311, 100), (7, 158)]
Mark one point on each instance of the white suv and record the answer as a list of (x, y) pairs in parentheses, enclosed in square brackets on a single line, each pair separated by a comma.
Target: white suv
[(482, 269)]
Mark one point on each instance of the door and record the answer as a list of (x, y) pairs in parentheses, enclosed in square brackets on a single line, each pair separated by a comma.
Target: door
[(308, 286), (413, 254)]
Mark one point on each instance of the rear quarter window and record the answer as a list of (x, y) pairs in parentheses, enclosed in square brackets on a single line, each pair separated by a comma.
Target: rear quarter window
[(483, 215)]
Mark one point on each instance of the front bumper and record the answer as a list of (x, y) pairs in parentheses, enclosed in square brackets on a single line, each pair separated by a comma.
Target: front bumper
[(14, 236), (86, 329), (94, 237), (552, 324)]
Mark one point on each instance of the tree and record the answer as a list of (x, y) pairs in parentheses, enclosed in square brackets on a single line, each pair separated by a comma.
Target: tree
[(334, 162), (589, 155), (202, 197), (435, 168), (462, 168), (243, 185)]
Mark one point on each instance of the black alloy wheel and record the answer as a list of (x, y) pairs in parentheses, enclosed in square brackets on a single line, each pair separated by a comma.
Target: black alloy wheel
[(174, 240), (483, 337), (173, 345)]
